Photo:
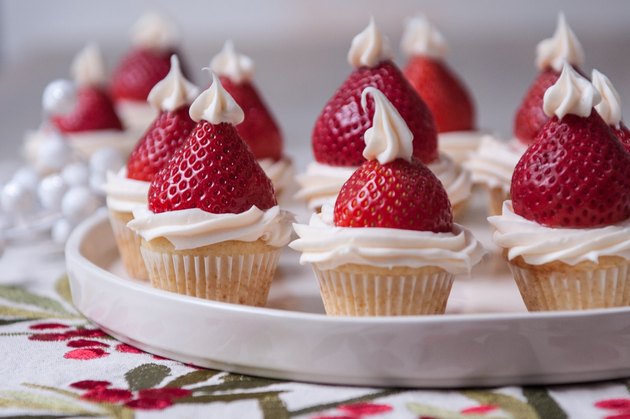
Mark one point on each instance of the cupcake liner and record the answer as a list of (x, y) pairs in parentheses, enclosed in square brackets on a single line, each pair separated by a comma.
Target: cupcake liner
[(241, 278), (496, 196), (364, 293), (572, 288), (128, 245), (459, 208)]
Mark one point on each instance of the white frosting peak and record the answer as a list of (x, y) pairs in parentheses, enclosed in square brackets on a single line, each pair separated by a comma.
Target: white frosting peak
[(369, 47), (88, 68), (563, 45), (422, 38), (154, 31), (571, 94), (389, 137), (215, 105), (229, 63), (173, 91), (610, 106)]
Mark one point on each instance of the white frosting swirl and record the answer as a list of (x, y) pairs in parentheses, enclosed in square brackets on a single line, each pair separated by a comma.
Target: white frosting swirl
[(538, 244), (88, 68), (194, 228), (454, 178), (136, 115), (228, 63), (459, 145), (610, 106), (321, 183), (562, 46), (369, 47), (571, 94), (216, 105), (328, 246), (280, 172), (494, 161), (87, 143), (173, 91), (154, 31), (389, 137), (124, 194), (422, 38)]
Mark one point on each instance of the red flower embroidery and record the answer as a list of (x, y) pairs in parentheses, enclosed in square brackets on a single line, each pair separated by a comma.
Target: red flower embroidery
[(123, 347), (149, 404), (484, 408), (83, 333), (613, 404), (365, 408), (108, 395), (335, 417), (90, 384), (42, 326), (86, 354), (164, 393), (85, 343)]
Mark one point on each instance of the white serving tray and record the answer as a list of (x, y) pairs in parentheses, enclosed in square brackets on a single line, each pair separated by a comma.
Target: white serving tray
[(485, 339)]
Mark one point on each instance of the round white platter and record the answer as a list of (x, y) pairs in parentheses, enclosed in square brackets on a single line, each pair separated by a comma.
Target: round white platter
[(485, 339)]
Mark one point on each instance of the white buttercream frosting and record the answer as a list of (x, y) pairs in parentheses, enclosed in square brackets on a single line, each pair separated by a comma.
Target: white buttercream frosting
[(422, 38), (454, 178), (389, 138), (562, 46), (136, 115), (216, 106), (88, 142), (538, 244), (459, 145), (154, 31), (88, 68), (194, 228), (124, 194), (494, 161), (369, 48), (228, 63), (328, 246), (280, 172), (173, 91), (321, 183), (610, 106), (571, 94)]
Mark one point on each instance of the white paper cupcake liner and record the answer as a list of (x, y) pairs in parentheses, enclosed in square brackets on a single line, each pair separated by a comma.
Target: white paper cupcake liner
[(128, 243), (368, 294), (573, 289), (238, 278)]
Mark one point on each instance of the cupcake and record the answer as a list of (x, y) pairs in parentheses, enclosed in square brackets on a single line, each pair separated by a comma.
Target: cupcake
[(610, 107), (259, 129), (337, 137), (213, 228), (389, 245), (493, 163), (566, 231), (129, 188), (154, 39), (444, 93)]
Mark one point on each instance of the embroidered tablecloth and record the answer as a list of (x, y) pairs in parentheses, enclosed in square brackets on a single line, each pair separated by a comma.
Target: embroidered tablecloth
[(55, 364)]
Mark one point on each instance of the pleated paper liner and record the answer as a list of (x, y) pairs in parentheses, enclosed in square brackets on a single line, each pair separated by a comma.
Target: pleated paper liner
[(355, 290), (128, 245), (496, 196), (233, 271)]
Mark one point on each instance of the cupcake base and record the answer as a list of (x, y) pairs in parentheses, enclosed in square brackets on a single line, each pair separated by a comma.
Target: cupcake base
[(496, 197), (558, 286), (232, 271), (356, 290), (128, 245)]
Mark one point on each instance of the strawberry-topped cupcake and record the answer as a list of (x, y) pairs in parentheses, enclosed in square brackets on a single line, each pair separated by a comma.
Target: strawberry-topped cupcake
[(259, 129), (213, 228), (337, 137), (493, 163), (129, 188), (388, 246), (610, 107), (154, 39), (566, 231), (444, 93)]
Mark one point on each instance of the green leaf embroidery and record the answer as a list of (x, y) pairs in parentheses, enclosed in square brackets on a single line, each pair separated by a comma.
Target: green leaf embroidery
[(543, 403), (436, 412), (511, 405), (273, 407), (33, 401), (365, 398), (21, 296), (6, 322), (193, 377), (146, 376), (62, 286), (6, 311), (226, 398), (237, 382)]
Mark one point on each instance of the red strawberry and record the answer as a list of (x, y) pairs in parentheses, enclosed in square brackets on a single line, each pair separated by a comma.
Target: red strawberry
[(213, 171), (530, 117), (443, 92), (400, 194), (576, 174), (623, 133), (165, 135), (259, 130), (138, 72), (93, 111), (338, 133)]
